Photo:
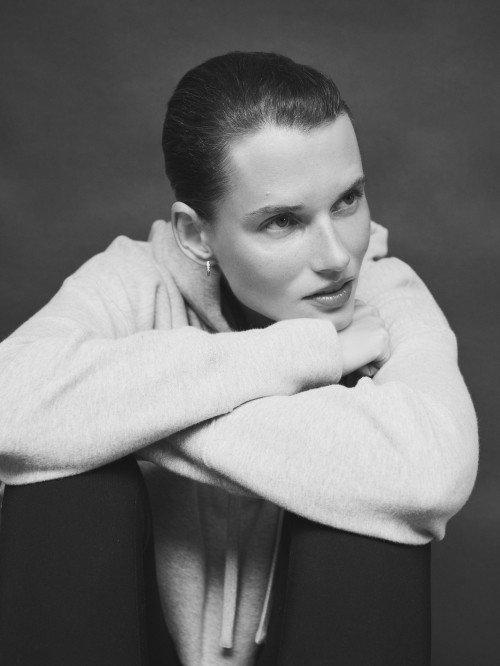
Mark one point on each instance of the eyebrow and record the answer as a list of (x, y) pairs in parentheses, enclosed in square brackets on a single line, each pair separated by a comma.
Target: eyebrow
[(281, 208)]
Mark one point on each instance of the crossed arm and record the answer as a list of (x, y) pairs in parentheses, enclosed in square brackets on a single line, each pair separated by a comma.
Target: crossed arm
[(87, 380), (393, 457)]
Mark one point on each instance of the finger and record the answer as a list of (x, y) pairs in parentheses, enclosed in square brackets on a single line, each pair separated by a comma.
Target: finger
[(385, 356), (368, 370)]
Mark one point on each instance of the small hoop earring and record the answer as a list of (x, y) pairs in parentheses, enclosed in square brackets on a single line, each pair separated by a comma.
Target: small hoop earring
[(208, 267)]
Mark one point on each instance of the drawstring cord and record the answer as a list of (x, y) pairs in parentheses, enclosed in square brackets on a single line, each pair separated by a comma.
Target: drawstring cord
[(262, 629), (230, 589)]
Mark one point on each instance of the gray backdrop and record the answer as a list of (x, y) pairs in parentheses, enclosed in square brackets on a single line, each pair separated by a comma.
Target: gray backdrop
[(84, 89)]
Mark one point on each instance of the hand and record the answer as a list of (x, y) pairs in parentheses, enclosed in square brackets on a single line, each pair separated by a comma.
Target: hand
[(365, 342)]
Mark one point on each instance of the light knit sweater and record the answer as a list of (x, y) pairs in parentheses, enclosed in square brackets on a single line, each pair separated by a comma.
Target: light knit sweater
[(133, 350)]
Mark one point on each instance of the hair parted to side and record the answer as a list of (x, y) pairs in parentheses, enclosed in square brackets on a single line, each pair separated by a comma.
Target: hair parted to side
[(226, 98)]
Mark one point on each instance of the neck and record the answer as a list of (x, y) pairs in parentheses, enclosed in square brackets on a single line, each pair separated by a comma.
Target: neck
[(239, 316)]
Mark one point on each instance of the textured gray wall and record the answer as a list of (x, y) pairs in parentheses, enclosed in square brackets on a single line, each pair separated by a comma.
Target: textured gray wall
[(83, 95)]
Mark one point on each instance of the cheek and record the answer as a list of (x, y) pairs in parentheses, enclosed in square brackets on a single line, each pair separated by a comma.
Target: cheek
[(356, 236), (260, 275), (361, 245), (265, 277)]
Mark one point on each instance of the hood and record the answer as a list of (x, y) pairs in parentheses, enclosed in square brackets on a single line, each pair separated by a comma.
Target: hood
[(203, 294)]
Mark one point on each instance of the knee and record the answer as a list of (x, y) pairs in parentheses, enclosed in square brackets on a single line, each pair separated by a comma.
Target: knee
[(113, 495)]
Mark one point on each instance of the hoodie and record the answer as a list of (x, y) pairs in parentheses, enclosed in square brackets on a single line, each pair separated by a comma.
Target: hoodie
[(231, 428)]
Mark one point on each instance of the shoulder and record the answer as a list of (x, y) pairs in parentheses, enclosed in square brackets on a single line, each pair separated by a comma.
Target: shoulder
[(377, 268), (124, 256), (124, 273), (380, 272), (395, 287), (123, 277)]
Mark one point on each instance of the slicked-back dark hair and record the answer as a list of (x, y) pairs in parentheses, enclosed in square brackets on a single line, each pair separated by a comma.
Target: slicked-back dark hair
[(228, 97)]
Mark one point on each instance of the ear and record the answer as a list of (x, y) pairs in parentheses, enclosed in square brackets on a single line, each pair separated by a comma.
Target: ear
[(190, 233)]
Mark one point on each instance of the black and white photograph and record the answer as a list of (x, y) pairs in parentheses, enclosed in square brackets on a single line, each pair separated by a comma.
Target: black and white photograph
[(249, 349)]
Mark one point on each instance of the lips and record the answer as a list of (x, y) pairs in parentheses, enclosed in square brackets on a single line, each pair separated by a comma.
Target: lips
[(330, 288)]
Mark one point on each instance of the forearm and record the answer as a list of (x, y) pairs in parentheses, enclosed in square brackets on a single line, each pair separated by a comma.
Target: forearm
[(72, 400), (378, 476), (109, 365)]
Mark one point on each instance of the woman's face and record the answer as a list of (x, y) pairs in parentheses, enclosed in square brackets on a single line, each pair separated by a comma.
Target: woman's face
[(295, 220)]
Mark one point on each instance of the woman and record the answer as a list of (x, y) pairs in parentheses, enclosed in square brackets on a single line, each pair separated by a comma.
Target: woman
[(259, 409)]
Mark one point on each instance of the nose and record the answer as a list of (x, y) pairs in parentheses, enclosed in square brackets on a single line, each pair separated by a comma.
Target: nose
[(328, 252)]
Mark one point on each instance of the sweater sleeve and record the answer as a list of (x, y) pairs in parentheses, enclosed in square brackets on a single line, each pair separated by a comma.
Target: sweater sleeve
[(394, 456), (87, 379)]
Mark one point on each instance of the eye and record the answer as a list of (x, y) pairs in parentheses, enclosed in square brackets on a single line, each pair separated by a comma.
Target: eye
[(282, 221), (349, 199)]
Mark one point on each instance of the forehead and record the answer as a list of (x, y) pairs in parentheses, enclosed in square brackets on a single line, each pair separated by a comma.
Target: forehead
[(275, 163)]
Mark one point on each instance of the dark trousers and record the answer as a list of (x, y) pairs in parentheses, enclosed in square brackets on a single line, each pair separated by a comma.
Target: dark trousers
[(78, 584)]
